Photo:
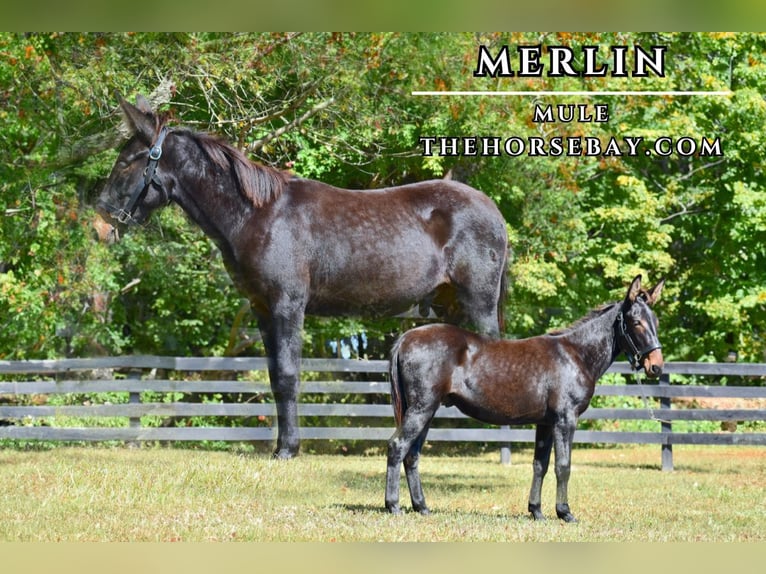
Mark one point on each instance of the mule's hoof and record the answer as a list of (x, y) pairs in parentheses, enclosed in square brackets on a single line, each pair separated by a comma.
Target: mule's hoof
[(284, 454), (424, 511)]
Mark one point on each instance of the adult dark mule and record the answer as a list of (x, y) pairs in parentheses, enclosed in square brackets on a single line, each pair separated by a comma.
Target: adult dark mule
[(295, 246), (546, 380)]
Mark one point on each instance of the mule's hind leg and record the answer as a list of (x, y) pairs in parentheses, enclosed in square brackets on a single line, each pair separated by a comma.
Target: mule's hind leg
[(472, 304), (414, 425), (543, 444), (477, 272), (481, 314)]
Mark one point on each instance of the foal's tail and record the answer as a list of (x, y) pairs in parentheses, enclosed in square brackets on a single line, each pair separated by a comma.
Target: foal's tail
[(397, 395)]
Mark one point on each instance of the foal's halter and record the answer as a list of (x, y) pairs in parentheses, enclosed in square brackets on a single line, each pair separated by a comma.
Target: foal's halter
[(635, 355), (125, 214)]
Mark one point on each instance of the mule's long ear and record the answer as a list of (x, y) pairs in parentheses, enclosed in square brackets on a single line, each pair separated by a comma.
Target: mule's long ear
[(140, 120), (143, 104), (634, 290), (654, 293)]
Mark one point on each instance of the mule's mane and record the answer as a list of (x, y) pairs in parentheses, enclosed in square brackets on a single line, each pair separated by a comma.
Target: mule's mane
[(258, 183)]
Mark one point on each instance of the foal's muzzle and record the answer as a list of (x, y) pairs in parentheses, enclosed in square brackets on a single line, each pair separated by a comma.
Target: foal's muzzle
[(649, 356), (653, 363)]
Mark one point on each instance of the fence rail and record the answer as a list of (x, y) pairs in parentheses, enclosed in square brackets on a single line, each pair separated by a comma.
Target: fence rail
[(370, 420)]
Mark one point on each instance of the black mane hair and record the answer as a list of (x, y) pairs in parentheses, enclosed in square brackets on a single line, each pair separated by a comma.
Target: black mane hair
[(260, 184)]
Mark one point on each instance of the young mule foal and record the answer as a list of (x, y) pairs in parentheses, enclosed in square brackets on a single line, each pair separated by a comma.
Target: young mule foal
[(547, 380)]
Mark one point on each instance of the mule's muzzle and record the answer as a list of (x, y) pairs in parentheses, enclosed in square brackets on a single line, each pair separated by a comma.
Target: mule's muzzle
[(115, 216), (111, 222), (106, 211), (105, 230)]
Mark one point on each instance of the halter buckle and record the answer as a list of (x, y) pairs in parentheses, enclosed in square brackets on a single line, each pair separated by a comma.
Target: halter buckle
[(155, 153), (123, 217)]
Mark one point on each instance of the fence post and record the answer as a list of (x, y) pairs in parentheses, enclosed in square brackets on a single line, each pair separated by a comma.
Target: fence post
[(505, 450), (666, 428), (134, 398)]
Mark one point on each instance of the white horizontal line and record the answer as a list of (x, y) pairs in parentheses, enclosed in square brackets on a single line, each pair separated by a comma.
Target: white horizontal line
[(586, 93)]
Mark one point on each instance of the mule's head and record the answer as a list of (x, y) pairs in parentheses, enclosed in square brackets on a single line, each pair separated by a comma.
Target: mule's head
[(134, 188), (637, 328)]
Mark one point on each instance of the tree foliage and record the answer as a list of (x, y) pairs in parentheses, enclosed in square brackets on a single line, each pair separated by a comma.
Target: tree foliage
[(338, 107)]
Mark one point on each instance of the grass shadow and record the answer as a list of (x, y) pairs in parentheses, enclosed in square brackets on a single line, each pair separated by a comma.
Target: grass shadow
[(437, 512), (622, 465), (360, 508)]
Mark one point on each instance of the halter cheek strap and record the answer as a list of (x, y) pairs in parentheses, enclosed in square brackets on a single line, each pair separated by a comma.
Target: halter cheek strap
[(150, 178), (635, 355)]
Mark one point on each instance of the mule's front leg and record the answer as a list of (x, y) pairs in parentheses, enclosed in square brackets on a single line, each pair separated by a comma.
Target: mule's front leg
[(543, 444), (563, 436), (286, 397), (282, 339)]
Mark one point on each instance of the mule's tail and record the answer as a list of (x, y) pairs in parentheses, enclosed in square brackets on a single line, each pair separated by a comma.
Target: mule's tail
[(503, 294), (398, 402)]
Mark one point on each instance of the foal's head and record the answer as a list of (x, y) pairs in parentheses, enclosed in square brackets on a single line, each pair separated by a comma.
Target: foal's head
[(637, 328)]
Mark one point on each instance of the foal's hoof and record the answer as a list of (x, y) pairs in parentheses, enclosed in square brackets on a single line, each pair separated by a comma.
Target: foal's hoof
[(536, 512), (394, 509), (564, 514)]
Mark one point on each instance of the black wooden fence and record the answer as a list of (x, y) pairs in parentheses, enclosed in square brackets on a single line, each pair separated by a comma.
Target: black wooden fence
[(340, 379)]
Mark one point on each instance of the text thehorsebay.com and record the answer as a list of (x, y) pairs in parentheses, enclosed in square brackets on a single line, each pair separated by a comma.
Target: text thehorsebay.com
[(563, 61)]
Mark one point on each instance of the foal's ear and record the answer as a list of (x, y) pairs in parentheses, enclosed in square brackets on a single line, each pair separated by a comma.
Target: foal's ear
[(140, 120), (634, 290), (654, 293)]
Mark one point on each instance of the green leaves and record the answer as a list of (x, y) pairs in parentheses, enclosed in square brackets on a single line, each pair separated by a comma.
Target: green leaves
[(338, 107)]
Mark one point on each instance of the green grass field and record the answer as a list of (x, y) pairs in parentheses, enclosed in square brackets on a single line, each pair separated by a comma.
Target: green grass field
[(160, 494)]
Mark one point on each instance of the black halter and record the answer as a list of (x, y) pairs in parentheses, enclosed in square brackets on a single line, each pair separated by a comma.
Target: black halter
[(150, 178), (634, 354)]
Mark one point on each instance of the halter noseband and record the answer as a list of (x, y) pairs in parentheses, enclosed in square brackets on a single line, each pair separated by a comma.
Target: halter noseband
[(150, 178), (635, 355)]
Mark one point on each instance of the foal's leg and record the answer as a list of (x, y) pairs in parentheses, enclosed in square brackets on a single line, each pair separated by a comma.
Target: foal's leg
[(413, 475), (543, 444), (400, 446), (563, 435)]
